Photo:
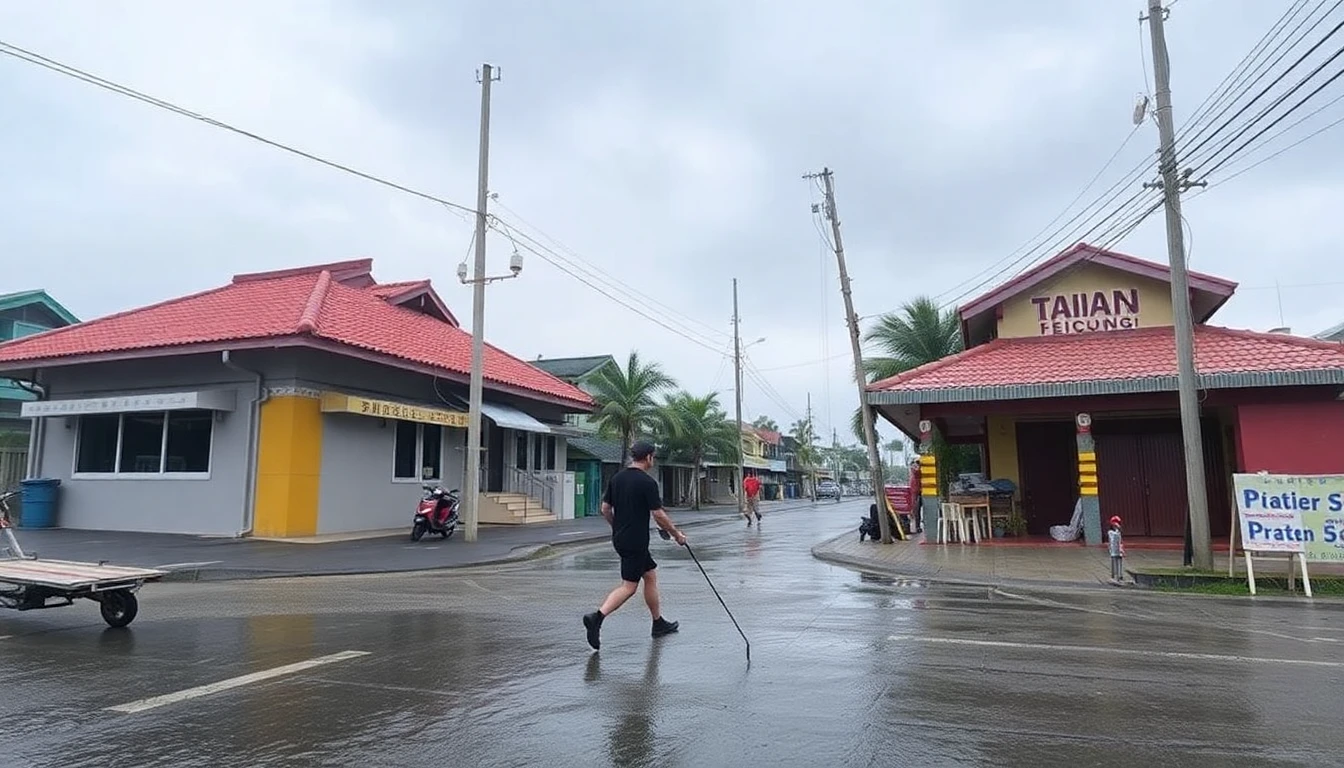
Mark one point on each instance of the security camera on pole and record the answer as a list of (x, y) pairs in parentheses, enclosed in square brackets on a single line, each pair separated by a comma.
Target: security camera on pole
[(472, 484)]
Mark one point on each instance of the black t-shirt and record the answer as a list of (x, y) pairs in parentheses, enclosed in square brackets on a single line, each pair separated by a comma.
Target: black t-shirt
[(634, 495)]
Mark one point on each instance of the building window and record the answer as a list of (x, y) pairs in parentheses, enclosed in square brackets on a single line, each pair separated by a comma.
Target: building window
[(538, 448), (550, 452), (150, 443), (418, 454), (520, 454)]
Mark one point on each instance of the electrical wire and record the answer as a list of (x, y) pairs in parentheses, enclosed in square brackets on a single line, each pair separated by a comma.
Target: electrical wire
[(597, 273), (22, 54), (1193, 156), (558, 261)]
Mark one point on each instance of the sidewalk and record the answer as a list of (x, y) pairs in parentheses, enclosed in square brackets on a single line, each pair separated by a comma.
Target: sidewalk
[(196, 558), (998, 565)]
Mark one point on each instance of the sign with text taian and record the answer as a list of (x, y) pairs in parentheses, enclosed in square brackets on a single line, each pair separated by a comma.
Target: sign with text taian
[(1295, 514), (1087, 312)]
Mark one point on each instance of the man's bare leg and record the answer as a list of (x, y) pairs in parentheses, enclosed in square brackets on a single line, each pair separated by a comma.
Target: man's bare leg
[(651, 594), (618, 597)]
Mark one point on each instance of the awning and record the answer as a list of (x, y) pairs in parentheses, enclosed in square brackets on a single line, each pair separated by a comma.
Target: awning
[(336, 402), (210, 400), (511, 418)]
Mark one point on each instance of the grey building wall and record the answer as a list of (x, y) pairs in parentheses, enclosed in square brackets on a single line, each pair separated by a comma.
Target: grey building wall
[(356, 487), (167, 504), (357, 492)]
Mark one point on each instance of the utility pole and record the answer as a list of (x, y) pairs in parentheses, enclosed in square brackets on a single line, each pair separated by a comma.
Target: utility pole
[(1172, 186), (737, 398), (869, 432), (471, 498), (812, 457)]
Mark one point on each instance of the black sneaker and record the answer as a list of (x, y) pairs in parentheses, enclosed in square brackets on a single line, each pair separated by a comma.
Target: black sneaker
[(758, 515), (593, 623), (663, 627)]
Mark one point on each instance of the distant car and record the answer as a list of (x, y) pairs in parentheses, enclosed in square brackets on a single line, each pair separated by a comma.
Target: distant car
[(828, 489)]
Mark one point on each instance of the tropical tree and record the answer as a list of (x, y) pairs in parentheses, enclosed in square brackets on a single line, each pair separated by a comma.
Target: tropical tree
[(919, 333), (696, 428), (625, 399), (806, 453), (765, 422)]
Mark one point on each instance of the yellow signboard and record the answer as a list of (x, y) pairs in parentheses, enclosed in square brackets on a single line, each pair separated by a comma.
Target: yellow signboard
[(334, 402)]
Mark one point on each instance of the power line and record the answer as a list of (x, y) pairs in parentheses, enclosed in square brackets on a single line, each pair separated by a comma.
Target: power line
[(22, 54), (558, 261), (1192, 156), (1294, 145), (597, 273), (1227, 158)]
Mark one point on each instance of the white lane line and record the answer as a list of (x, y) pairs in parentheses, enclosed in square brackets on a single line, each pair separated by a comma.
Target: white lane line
[(1115, 651), (573, 533), (5, 637), (234, 682), (171, 566)]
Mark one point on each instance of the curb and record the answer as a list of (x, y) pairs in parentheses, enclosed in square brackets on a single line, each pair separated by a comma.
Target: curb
[(518, 554), (934, 575)]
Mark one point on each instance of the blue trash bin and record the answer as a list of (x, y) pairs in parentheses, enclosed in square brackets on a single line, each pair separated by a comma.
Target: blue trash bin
[(39, 502)]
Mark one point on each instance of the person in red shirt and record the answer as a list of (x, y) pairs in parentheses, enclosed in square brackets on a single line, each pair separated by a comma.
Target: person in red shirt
[(752, 486)]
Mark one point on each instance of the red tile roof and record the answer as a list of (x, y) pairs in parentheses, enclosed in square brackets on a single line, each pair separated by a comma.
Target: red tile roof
[(1116, 356), (337, 303)]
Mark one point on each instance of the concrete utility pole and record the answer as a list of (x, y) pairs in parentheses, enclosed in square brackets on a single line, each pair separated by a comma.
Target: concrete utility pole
[(869, 432), (1187, 381), (737, 398), (472, 484), (812, 458)]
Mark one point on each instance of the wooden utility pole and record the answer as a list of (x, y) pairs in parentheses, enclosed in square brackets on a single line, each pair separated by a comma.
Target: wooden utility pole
[(1187, 381), (869, 432)]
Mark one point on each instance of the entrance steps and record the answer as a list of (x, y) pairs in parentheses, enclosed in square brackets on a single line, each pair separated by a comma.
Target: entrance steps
[(513, 509)]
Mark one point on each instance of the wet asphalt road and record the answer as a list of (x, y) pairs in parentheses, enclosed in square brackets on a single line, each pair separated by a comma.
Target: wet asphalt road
[(488, 667)]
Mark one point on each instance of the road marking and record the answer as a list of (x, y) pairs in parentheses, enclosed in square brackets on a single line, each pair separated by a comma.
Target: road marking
[(573, 533), (1115, 651), (234, 682), (171, 566)]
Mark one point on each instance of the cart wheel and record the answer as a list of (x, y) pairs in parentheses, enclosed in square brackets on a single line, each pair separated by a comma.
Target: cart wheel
[(119, 608), (418, 531)]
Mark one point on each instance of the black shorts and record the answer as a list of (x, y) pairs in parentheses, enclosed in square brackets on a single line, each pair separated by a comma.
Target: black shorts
[(635, 563)]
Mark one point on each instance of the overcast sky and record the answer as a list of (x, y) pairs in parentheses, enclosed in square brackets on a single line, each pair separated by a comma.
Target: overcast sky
[(663, 143)]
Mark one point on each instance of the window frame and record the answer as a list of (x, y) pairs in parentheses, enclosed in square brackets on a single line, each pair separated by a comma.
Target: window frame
[(162, 474), (419, 453)]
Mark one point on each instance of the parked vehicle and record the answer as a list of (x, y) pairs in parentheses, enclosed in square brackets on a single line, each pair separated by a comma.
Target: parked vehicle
[(828, 489), (436, 513)]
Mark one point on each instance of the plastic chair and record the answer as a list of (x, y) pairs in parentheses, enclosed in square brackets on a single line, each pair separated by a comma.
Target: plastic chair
[(951, 520)]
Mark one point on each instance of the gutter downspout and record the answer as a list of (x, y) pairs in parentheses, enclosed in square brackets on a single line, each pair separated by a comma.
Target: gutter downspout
[(37, 433), (253, 438)]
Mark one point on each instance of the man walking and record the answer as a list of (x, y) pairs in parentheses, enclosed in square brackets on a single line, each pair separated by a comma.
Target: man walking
[(752, 487), (631, 499)]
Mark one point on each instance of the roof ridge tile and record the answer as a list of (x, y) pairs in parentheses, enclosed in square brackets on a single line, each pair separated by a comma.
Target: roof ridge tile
[(312, 311), (356, 266)]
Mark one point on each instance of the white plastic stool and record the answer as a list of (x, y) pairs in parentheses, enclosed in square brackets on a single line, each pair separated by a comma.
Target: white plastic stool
[(951, 521)]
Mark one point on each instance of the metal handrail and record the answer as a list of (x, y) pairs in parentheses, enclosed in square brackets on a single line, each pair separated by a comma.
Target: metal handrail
[(534, 486)]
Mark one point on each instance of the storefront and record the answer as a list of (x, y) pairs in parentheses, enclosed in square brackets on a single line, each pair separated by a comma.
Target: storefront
[(292, 403), (1088, 334)]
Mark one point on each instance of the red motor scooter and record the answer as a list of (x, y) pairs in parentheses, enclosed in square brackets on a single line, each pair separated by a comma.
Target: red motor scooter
[(436, 513)]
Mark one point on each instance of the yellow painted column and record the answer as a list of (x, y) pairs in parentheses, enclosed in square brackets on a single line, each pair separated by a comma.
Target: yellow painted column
[(289, 466), (929, 498), (1087, 480)]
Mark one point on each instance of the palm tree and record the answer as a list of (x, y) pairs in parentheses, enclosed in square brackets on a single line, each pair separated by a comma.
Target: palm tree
[(766, 423), (917, 334), (697, 428), (625, 399)]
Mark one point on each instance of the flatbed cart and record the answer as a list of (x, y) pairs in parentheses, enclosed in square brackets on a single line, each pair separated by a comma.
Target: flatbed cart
[(28, 583)]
